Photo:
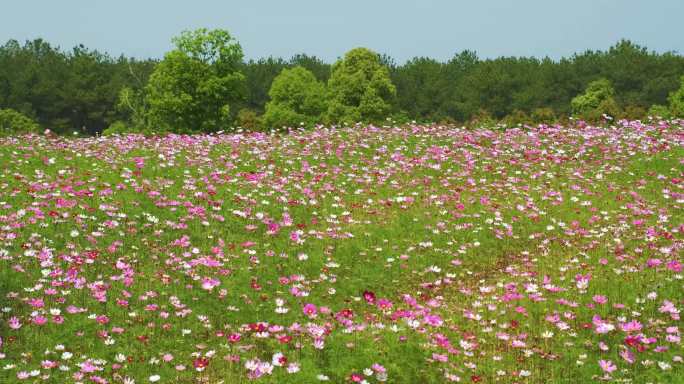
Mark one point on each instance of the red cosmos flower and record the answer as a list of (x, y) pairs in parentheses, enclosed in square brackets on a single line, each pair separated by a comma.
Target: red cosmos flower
[(255, 286), (257, 327), (285, 339), (200, 363), (475, 378), (632, 340), (234, 337), (346, 313), (356, 378), (369, 297)]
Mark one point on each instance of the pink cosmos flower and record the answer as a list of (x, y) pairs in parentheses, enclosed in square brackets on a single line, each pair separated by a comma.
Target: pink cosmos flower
[(295, 236), (433, 320), (607, 366), (209, 283), (632, 326), (674, 266), (440, 357), (582, 281), (378, 368), (602, 326), (40, 320), (628, 356), (310, 310), (669, 307), (14, 323)]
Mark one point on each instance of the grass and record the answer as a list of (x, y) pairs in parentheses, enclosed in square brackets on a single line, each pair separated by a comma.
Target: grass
[(143, 255)]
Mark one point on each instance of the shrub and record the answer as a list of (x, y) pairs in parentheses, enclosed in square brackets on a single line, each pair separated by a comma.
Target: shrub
[(482, 119), (634, 112), (544, 116), (117, 128), (15, 123), (248, 120), (676, 100), (516, 118), (659, 112)]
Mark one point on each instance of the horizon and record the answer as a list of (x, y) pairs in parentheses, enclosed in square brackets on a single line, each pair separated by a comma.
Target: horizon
[(436, 29)]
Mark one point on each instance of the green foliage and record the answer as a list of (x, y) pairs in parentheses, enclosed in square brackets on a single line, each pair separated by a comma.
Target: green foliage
[(360, 88), (117, 128), (16, 123), (248, 119), (659, 111), (133, 103), (399, 118), (296, 97), (676, 100), (482, 119), (516, 118), (192, 88), (66, 90), (597, 100), (86, 90), (319, 68), (419, 89), (634, 112), (259, 75), (543, 115)]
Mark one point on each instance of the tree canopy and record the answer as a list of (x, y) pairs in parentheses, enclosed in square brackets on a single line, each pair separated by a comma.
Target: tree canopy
[(191, 90), (360, 88), (204, 83), (597, 100), (296, 97), (677, 100), (16, 123)]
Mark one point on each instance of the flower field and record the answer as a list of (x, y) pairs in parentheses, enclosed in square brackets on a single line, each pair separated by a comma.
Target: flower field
[(415, 254)]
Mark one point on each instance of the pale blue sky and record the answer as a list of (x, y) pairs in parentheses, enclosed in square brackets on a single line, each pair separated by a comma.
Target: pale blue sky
[(402, 29)]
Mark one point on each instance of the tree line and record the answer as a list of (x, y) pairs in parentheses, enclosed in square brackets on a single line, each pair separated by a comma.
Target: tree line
[(204, 84)]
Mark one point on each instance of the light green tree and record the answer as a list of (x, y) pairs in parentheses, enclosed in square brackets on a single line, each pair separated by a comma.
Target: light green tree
[(597, 100), (659, 111), (191, 90), (16, 123), (360, 88), (676, 100), (296, 98)]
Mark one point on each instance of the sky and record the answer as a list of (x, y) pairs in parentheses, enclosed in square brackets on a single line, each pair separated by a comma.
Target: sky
[(400, 28)]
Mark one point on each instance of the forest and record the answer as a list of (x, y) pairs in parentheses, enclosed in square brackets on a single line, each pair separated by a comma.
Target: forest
[(86, 91)]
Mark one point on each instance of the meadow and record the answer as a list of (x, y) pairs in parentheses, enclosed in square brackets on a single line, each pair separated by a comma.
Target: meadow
[(407, 254)]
